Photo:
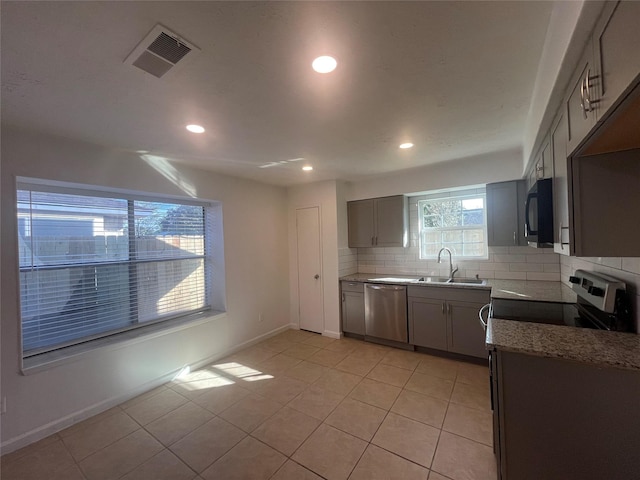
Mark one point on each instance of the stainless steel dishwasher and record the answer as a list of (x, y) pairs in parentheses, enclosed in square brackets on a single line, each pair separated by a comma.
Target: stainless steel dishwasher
[(385, 312)]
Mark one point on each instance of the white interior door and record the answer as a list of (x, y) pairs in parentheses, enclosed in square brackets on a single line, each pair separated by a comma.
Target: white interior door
[(309, 269)]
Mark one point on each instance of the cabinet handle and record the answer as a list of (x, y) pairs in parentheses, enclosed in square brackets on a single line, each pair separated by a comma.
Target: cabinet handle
[(443, 308), (582, 98), (343, 298), (587, 91), (560, 235), (586, 102), (514, 238), (373, 240)]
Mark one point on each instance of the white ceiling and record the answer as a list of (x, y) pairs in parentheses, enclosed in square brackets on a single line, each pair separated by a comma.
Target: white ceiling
[(454, 78)]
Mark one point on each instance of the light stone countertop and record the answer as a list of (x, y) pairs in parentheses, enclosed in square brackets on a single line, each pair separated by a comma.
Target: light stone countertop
[(532, 290), (539, 291), (585, 345), (596, 347)]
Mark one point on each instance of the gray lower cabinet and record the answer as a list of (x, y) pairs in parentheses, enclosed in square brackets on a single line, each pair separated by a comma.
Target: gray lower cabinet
[(447, 319), (353, 307), (558, 420), (427, 323)]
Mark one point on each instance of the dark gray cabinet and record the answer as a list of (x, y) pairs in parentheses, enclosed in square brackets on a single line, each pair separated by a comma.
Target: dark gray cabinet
[(378, 222), (427, 322), (606, 193), (617, 57), (446, 318), (505, 213), (581, 103), (560, 185), (352, 307), (557, 420)]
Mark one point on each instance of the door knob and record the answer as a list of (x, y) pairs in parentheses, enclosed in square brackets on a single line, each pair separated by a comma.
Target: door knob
[(316, 276)]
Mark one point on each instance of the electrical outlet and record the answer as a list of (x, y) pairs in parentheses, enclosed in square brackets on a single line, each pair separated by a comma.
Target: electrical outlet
[(260, 317)]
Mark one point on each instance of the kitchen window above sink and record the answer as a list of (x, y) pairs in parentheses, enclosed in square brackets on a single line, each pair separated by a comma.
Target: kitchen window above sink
[(456, 220)]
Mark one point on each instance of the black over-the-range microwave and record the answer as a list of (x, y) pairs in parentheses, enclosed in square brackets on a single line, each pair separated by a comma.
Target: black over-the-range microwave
[(538, 226)]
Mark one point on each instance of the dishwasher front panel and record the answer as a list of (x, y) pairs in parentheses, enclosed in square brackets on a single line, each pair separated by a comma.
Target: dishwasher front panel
[(385, 312)]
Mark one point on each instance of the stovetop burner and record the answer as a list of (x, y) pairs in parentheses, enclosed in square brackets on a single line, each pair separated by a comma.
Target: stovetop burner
[(601, 304)]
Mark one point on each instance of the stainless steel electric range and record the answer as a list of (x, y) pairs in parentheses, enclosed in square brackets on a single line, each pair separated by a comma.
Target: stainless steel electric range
[(601, 303)]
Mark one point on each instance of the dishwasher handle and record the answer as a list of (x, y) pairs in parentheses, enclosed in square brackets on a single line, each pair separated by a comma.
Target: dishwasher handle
[(481, 318), (374, 286)]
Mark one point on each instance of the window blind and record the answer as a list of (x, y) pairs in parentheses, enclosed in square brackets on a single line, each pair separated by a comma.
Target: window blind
[(95, 264)]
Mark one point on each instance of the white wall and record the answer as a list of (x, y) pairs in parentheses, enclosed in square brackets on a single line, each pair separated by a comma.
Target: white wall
[(324, 195), (494, 167), (256, 258)]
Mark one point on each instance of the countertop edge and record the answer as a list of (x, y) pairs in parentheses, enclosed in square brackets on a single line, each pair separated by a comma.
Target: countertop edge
[(582, 345)]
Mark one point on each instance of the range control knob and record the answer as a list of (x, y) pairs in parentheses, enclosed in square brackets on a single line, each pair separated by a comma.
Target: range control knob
[(596, 291), (573, 279)]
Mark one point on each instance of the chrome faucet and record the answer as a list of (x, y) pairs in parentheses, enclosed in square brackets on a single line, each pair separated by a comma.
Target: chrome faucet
[(452, 271)]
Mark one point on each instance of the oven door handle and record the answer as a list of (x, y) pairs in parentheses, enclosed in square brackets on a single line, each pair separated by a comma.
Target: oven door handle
[(480, 317)]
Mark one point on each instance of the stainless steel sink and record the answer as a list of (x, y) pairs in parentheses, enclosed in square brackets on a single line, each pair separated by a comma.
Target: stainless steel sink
[(456, 281)]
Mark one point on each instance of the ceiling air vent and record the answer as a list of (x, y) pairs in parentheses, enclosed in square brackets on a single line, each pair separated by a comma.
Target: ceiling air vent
[(160, 51)]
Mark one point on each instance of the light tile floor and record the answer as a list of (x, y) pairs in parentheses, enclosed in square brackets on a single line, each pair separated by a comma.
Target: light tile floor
[(296, 406)]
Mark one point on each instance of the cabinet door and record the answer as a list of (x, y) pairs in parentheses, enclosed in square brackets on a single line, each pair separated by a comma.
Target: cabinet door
[(427, 323), (502, 214), (560, 186), (617, 52), (581, 121), (390, 221), (546, 168), (361, 223), (466, 335), (353, 312)]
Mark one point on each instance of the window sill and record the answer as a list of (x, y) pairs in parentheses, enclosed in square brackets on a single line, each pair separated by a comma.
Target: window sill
[(75, 353)]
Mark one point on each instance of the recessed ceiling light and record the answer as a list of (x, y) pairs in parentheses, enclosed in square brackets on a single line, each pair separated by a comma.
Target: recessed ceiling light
[(307, 168), (406, 145), (324, 64), (195, 128)]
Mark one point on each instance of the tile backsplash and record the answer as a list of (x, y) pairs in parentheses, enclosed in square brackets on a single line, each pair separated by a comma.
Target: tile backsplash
[(509, 263), (347, 261)]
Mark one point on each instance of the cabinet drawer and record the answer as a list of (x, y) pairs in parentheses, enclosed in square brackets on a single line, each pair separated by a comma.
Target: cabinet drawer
[(352, 286)]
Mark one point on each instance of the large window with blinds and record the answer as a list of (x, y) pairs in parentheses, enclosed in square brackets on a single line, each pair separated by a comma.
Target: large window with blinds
[(96, 263)]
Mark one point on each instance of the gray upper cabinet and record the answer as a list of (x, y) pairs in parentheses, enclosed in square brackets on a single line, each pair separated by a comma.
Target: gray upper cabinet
[(605, 195), (378, 222), (560, 185), (581, 103), (617, 51), (361, 224), (505, 213)]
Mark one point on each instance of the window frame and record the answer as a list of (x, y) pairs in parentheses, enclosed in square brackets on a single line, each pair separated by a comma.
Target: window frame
[(213, 301), (454, 195)]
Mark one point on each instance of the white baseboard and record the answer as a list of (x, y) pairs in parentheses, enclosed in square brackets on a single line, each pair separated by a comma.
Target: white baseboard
[(13, 444), (332, 334)]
